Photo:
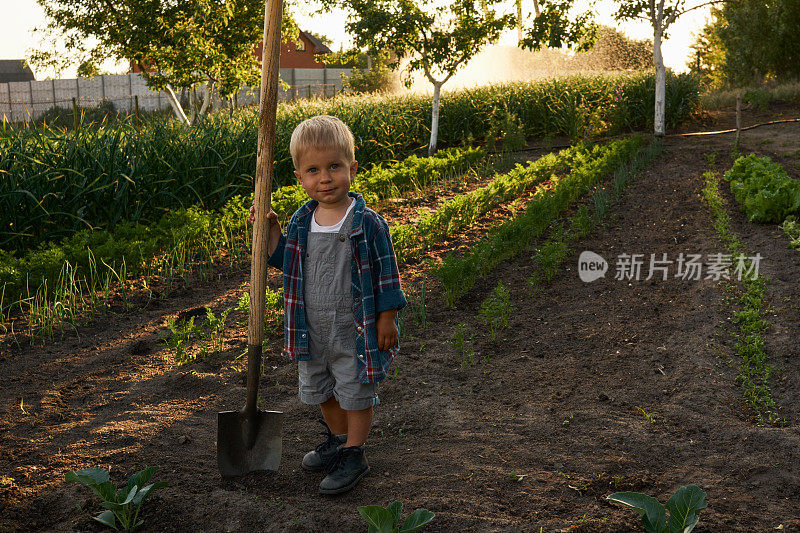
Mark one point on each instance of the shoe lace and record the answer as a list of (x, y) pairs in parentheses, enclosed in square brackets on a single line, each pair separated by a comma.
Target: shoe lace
[(331, 441), (336, 461)]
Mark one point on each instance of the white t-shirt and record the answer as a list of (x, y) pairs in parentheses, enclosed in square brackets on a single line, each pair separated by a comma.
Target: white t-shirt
[(316, 228)]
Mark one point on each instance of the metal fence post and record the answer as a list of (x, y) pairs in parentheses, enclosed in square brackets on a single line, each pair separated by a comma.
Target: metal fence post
[(103, 86), (75, 113), (53, 86)]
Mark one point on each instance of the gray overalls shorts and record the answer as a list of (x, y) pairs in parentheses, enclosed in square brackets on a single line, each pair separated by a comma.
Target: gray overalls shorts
[(332, 369)]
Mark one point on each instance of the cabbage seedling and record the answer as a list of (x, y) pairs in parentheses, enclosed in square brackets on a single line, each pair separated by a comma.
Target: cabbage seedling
[(387, 520), (123, 503), (683, 507)]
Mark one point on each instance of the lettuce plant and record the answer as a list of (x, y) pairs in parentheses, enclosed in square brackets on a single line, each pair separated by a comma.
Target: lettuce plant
[(124, 503), (683, 507), (762, 187), (387, 519)]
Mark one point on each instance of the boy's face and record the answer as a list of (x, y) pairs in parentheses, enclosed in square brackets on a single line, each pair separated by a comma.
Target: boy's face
[(326, 176)]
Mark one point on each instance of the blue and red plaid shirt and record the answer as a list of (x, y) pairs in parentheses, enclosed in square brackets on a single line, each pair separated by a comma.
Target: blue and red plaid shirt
[(375, 284)]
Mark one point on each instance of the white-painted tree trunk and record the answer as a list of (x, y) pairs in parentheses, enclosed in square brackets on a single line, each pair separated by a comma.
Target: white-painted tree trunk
[(207, 91), (519, 20), (193, 105), (176, 105), (437, 87), (661, 76)]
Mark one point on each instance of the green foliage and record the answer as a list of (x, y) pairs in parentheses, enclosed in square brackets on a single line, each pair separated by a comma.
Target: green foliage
[(387, 519), (764, 190), (496, 309), (216, 330), (553, 28), (792, 230), (461, 211), (755, 373), (458, 274), (175, 44), (372, 76), (613, 50), (58, 182), (634, 101), (683, 508), (461, 341), (416, 304), (549, 256), (273, 310), (62, 117), (749, 42), (178, 339), (211, 332), (183, 234), (123, 504), (437, 40), (507, 130)]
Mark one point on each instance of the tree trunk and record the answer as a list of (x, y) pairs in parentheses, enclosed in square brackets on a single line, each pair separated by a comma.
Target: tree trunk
[(660, 102), (437, 87), (207, 91), (176, 105), (519, 20), (193, 105)]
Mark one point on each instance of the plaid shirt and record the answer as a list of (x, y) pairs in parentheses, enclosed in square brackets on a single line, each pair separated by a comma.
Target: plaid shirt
[(375, 285)]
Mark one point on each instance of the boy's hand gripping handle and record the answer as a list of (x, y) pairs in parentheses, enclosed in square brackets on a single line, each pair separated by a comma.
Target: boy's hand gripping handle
[(263, 192)]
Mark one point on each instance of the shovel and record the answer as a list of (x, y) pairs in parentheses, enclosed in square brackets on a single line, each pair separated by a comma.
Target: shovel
[(250, 439)]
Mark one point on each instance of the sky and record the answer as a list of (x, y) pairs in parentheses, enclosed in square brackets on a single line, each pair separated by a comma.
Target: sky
[(17, 36)]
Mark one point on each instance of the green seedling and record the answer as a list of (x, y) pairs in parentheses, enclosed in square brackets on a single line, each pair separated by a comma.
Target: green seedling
[(650, 417), (496, 309), (178, 339), (462, 342), (516, 477), (387, 519), (416, 303), (683, 508), (273, 310), (216, 326), (123, 504), (791, 228)]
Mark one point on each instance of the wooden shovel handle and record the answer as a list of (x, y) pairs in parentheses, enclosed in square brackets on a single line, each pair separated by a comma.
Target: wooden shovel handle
[(268, 103), (264, 168)]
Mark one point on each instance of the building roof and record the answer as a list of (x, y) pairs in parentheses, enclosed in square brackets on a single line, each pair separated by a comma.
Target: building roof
[(319, 45), (15, 70)]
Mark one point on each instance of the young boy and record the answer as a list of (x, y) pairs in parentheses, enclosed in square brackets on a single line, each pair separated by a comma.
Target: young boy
[(341, 296)]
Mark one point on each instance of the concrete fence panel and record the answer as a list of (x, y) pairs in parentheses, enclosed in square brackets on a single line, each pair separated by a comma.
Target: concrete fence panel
[(23, 101)]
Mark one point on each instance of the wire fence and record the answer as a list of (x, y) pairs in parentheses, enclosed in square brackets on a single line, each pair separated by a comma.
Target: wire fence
[(128, 93)]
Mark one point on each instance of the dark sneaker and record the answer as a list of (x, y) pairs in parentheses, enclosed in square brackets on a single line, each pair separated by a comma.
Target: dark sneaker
[(345, 470), (315, 460)]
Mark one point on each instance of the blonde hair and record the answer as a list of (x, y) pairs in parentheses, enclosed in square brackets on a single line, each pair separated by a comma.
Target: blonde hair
[(323, 132)]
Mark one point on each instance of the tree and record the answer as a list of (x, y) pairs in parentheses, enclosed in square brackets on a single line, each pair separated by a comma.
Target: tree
[(175, 44), (439, 40), (554, 28), (749, 41)]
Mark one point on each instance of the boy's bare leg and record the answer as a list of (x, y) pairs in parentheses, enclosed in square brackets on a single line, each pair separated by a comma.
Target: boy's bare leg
[(358, 424), (334, 416)]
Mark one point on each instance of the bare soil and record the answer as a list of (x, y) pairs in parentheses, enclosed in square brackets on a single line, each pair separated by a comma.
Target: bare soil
[(595, 388)]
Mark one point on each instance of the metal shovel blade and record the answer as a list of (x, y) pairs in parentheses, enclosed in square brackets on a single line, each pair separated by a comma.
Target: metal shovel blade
[(234, 454)]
